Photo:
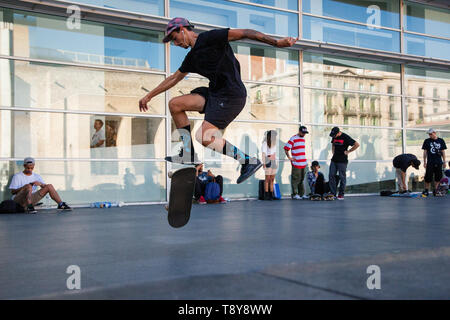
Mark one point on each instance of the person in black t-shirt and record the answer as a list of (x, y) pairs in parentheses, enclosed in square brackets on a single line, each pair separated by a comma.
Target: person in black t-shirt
[(212, 57), (401, 163), (340, 143), (433, 160)]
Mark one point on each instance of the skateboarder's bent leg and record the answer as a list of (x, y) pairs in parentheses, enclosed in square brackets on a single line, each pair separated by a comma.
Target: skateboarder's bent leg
[(178, 107), (209, 136)]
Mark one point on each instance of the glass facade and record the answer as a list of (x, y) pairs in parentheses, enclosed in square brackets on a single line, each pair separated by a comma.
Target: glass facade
[(57, 85), (355, 35)]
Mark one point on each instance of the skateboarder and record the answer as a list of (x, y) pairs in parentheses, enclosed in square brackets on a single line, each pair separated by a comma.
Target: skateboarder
[(401, 163), (340, 143), (212, 57), (433, 160)]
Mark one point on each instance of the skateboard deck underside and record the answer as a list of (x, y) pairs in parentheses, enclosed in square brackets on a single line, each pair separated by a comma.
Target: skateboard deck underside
[(180, 197)]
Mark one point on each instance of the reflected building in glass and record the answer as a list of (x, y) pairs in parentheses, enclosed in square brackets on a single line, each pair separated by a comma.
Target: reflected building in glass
[(378, 70)]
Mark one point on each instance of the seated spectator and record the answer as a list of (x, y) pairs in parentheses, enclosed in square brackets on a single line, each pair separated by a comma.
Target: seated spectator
[(316, 180), (447, 172), (401, 163), (203, 178), (24, 187)]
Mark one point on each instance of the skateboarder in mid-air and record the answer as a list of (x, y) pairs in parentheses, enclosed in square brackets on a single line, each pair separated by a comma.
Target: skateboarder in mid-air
[(212, 57)]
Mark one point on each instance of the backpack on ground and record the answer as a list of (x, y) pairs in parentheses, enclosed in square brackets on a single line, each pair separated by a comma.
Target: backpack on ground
[(10, 206), (212, 191)]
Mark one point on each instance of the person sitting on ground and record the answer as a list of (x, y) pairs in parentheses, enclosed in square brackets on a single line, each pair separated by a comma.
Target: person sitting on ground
[(202, 179), (24, 187), (401, 163), (316, 180)]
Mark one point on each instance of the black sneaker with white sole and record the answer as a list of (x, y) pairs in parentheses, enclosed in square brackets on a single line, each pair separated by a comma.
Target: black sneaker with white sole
[(63, 206), (248, 169), (31, 209)]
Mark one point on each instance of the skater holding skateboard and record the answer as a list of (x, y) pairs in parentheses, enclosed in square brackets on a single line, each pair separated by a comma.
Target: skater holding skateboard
[(212, 57)]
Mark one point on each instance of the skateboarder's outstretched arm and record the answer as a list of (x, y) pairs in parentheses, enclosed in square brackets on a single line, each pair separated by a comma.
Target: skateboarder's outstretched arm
[(238, 34), (168, 83)]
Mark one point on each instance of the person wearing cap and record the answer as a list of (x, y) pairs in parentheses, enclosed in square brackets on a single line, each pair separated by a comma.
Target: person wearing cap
[(296, 146), (212, 57), (401, 163), (433, 160), (340, 143), (202, 179), (316, 180), (24, 187)]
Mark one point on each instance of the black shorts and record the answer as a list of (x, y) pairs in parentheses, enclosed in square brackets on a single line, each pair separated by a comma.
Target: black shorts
[(433, 169), (220, 111)]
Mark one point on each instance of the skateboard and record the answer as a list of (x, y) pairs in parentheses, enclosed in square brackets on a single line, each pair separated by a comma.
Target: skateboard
[(180, 196), (329, 197), (408, 195), (316, 197)]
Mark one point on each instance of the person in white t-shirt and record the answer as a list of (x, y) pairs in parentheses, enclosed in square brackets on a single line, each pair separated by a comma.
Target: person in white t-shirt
[(269, 156), (24, 187), (98, 138)]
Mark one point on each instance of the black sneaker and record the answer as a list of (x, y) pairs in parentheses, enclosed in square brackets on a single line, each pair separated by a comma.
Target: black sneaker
[(31, 209), (64, 206), (425, 193), (182, 158), (248, 169)]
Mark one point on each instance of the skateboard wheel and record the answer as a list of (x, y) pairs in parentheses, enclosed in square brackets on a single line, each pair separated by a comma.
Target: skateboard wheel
[(166, 207), (170, 174)]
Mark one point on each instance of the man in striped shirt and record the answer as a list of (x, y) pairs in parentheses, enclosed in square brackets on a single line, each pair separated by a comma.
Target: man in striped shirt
[(296, 145)]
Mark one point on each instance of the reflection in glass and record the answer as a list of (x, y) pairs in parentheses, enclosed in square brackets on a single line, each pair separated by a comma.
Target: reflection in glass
[(324, 30), (257, 63), (321, 70), (376, 144), (284, 4), (267, 64), (366, 177), (382, 13), (38, 85), (427, 47), (427, 19), (154, 7), (427, 83), (323, 106), (71, 136), (235, 15), (264, 102), (48, 37), (77, 185), (425, 113)]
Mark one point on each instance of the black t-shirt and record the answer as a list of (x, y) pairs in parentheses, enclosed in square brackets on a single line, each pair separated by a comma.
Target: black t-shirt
[(403, 161), (434, 150), (341, 144), (213, 58)]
